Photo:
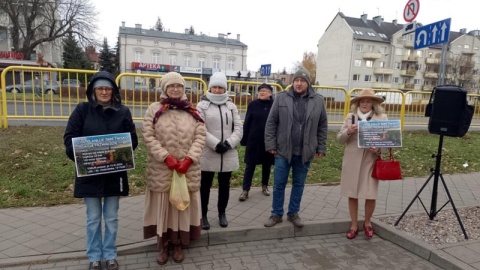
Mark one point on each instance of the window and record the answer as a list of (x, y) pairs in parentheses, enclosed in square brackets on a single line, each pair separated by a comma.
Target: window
[(398, 51), (420, 53), (418, 66), (368, 78), (187, 61), (201, 62), (416, 81), (216, 63), (155, 42), (382, 50), (379, 78), (231, 64), (173, 59), (139, 41), (217, 49), (475, 48), (138, 56), (359, 32), (232, 51), (466, 46), (156, 58), (357, 63), (358, 47), (371, 48), (356, 77), (172, 44), (382, 35), (187, 46), (369, 63), (371, 34), (396, 65), (395, 79), (477, 59), (382, 64)]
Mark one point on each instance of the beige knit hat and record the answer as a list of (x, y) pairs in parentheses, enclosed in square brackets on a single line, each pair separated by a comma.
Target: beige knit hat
[(171, 78)]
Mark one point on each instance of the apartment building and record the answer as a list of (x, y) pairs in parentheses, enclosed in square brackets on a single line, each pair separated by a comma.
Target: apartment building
[(194, 55), (363, 53)]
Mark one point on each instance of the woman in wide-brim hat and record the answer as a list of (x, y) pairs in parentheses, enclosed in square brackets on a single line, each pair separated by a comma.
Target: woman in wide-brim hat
[(356, 180)]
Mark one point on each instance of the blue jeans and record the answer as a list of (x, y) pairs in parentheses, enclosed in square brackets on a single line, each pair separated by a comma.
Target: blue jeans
[(96, 249), (281, 171)]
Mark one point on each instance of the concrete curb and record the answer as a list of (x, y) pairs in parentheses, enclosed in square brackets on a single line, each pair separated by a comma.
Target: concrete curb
[(220, 236)]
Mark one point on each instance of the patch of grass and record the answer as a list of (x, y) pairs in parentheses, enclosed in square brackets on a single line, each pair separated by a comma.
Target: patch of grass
[(34, 170)]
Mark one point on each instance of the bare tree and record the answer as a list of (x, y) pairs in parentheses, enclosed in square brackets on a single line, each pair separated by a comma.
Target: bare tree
[(33, 22), (460, 71)]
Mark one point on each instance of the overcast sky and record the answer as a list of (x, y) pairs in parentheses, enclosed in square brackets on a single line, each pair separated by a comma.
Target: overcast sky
[(276, 32)]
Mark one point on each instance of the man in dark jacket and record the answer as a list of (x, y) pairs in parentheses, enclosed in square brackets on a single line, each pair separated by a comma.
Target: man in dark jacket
[(296, 132), (102, 114)]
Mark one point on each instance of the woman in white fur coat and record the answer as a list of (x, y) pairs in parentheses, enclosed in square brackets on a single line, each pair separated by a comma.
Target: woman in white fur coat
[(224, 132)]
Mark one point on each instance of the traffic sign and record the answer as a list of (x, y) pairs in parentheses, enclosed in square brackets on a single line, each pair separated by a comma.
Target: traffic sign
[(411, 10), (432, 34), (265, 70), (409, 28)]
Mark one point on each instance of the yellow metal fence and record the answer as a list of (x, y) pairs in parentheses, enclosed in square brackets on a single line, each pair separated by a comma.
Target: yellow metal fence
[(53, 93)]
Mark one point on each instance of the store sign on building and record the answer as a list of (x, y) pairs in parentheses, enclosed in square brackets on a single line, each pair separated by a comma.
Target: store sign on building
[(191, 70), (11, 55), (150, 67)]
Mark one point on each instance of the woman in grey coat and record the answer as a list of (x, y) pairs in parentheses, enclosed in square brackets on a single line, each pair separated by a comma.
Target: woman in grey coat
[(224, 132)]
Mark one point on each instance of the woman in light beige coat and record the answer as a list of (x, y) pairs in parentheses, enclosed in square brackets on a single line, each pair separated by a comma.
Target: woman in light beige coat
[(174, 135), (356, 180)]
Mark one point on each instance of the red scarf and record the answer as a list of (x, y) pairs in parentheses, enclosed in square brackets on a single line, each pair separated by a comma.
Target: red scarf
[(177, 104)]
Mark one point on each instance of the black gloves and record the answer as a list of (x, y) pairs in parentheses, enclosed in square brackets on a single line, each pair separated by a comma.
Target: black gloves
[(222, 147)]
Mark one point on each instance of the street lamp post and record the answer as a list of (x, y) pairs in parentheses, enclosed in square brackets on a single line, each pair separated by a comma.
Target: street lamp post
[(226, 52)]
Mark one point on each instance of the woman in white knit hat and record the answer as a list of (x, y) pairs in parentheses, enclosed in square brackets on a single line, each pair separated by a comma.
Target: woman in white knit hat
[(174, 135), (224, 132)]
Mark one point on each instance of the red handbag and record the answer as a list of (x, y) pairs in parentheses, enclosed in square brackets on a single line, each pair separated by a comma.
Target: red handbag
[(384, 169)]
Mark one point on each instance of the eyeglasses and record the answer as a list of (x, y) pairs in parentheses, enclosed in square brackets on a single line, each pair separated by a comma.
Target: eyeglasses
[(175, 86), (104, 88), (264, 91)]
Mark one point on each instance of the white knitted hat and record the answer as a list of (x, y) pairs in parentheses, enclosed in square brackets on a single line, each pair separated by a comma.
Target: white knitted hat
[(218, 79)]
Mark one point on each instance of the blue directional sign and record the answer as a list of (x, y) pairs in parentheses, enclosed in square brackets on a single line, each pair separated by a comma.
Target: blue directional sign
[(265, 70), (432, 34)]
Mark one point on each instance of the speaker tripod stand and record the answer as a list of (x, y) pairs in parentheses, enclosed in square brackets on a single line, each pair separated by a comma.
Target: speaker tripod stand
[(433, 208)]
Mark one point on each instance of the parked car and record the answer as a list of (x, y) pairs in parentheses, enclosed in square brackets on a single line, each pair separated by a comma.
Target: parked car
[(34, 86), (71, 83)]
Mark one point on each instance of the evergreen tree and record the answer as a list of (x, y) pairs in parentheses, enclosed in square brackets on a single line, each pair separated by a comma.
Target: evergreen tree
[(159, 25), (74, 56), (117, 58), (106, 58)]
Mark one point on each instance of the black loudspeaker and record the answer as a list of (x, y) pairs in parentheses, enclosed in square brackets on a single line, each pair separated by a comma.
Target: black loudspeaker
[(449, 112)]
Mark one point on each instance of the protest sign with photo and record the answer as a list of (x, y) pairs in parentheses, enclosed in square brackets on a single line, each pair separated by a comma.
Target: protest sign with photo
[(385, 133), (103, 154)]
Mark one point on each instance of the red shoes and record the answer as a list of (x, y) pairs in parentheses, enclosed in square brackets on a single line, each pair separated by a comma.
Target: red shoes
[(352, 233), (368, 231)]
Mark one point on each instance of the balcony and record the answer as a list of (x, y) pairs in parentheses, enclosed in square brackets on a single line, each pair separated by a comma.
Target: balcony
[(427, 87), (408, 72), (381, 85), (432, 61), (430, 75), (408, 86), (408, 43), (468, 52), (386, 71), (372, 55), (410, 58)]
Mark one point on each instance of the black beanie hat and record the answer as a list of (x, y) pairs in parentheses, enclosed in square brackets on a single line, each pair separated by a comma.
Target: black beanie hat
[(264, 85)]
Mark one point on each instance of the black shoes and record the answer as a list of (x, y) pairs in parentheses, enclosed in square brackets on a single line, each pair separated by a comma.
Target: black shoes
[(205, 224), (222, 219)]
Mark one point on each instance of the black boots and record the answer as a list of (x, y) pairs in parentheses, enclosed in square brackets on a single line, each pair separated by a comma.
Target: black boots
[(222, 219), (205, 224)]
